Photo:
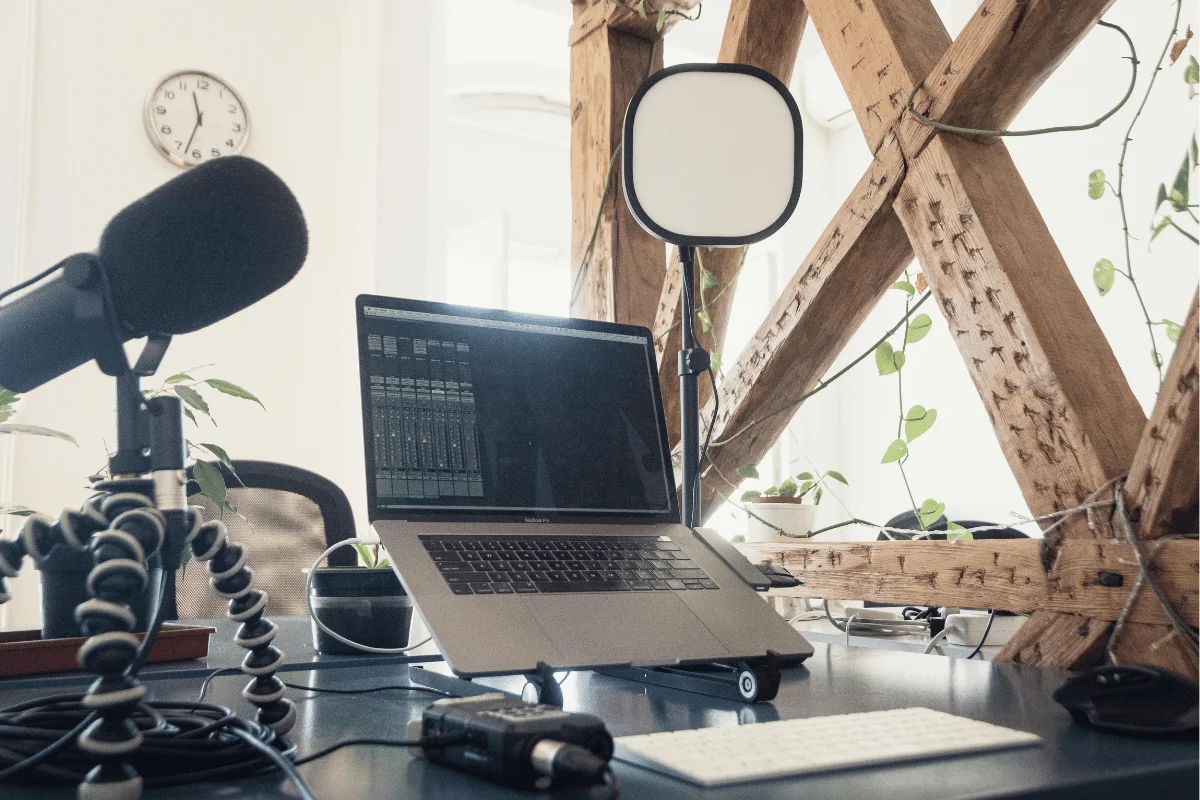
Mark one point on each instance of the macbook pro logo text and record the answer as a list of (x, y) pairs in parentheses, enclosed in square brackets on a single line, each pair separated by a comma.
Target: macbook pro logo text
[(537, 519)]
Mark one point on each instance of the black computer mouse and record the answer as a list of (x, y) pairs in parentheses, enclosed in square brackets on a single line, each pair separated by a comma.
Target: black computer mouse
[(1145, 702)]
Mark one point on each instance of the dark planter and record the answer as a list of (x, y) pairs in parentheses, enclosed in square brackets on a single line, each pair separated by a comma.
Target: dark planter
[(368, 606), (64, 587)]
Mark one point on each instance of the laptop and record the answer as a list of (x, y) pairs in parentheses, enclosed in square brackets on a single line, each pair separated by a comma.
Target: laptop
[(519, 475)]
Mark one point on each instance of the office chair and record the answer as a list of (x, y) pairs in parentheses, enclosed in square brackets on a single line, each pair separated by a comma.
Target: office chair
[(290, 516)]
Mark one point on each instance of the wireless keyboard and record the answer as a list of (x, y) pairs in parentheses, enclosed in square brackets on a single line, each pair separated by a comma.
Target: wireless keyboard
[(726, 755)]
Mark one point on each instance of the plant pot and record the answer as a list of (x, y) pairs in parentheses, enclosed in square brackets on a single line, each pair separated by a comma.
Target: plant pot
[(64, 574), (368, 606), (789, 513)]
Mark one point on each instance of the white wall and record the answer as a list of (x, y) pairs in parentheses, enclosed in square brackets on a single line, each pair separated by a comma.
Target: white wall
[(344, 127)]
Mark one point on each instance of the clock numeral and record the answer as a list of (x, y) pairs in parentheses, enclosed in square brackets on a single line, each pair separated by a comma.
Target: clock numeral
[(202, 84), (196, 154), (215, 152), (183, 86), (160, 109), (232, 108), (229, 142), (169, 94), (178, 145), (165, 129), (237, 127)]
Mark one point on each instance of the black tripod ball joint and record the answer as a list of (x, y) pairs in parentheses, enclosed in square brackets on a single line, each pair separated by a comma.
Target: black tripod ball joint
[(232, 579)]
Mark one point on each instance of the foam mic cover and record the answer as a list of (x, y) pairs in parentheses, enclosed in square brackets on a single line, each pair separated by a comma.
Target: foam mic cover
[(203, 246)]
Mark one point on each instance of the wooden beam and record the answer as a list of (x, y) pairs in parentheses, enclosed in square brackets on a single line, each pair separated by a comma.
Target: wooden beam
[(623, 274), (852, 264), (1066, 641), (1055, 394), (880, 49), (764, 34), (1003, 574), (1163, 486), (1000, 58)]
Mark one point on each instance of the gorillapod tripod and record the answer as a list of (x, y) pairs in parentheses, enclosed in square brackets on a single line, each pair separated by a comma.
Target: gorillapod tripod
[(136, 527)]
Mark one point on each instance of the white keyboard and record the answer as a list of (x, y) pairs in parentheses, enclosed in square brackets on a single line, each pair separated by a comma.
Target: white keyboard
[(725, 755)]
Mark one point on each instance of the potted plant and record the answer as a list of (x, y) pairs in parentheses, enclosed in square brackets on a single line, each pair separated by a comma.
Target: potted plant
[(365, 604), (780, 512)]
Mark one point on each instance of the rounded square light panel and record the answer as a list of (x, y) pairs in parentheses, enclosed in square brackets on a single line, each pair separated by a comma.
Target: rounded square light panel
[(712, 154)]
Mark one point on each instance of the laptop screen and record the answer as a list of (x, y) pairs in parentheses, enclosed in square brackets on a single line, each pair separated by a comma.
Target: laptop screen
[(472, 413)]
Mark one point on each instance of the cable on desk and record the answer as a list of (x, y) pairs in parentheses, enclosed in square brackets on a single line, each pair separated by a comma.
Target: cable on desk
[(979, 647), (372, 689), (448, 741), (942, 634)]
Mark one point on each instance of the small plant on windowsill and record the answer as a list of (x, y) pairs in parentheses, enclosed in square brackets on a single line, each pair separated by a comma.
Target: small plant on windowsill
[(786, 510)]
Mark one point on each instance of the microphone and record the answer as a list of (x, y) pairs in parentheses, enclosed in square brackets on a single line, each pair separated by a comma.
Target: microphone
[(201, 247)]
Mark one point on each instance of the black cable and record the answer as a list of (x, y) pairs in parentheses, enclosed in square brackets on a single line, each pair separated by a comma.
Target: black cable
[(287, 767), (448, 741), (43, 274), (372, 689), (712, 423), (979, 647), (613, 786), (160, 609)]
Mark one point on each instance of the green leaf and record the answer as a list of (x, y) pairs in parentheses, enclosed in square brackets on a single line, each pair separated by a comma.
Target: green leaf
[(6, 412), (805, 487), (382, 563), (705, 320), (1103, 275), (837, 476), (192, 398), (1178, 200), (232, 389), (212, 483), (364, 553), (219, 452), (707, 280), (787, 488), (929, 512), (817, 495), (773, 491), (714, 360), (16, 511), (738, 539), (918, 420), (1191, 74), (749, 495), (957, 533), (1096, 184), (38, 430), (662, 20), (8, 403), (1194, 152), (641, 8), (1179, 189), (1163, 224), (804, 476), (748, 472), (179, 377), (188, 413), (896, 451), (905, 287), (1173, 330), (1161, 197), (918, 328), (1156, 358), (887, 360)]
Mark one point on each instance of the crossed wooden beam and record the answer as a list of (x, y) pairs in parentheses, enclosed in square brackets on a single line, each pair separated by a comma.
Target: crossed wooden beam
[(1062, 411)]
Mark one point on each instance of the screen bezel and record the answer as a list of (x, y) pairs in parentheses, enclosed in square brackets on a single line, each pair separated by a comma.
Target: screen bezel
[(442, 514)]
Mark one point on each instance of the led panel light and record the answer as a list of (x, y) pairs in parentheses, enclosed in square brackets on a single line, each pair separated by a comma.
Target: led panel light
[(712, 154)]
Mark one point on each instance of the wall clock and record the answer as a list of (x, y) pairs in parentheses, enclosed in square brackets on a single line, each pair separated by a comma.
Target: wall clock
[(193, 116)]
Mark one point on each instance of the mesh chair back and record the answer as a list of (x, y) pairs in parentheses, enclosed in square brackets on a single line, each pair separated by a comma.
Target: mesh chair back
[(286, 517)]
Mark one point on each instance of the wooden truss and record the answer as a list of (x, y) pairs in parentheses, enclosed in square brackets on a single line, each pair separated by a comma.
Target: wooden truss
[(1062, 411)]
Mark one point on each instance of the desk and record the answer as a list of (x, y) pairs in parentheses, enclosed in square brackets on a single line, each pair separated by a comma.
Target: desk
[(1072, 763)]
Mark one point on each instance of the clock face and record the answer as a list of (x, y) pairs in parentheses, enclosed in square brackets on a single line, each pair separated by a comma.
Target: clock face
[(192, 117)]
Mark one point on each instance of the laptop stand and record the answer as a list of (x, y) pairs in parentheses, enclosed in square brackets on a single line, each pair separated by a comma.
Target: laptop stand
[(747, 681)]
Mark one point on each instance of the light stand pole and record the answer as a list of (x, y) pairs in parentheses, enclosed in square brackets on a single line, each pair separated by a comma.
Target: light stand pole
[(693, 361)]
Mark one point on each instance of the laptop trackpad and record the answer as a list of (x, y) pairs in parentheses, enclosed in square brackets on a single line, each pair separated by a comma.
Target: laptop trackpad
[(635, 627)]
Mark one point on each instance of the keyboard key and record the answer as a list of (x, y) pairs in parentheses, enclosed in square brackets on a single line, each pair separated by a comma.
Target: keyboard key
[(555, 576), (673, 584), (683, 563), (592, 575), (472, 546), (517, 575), (502, 588), (431, 545), (481, 588), (627, 575), (656, 564), (446, 569), (611, 575), (468, 555), (451, 544), (524, 587), (573, 575), (644, 574), (589, 586), (688, 574), (537, 575), (498, 577), (693, 584), (639, 586), (460, 588), (460, 577), (671, 546), (659, 585), (663, 574), (708, 584)]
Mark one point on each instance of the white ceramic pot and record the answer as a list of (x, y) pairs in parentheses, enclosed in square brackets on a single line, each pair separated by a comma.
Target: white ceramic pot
[(782, 512)]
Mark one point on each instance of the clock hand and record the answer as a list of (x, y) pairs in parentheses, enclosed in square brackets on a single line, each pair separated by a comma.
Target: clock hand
[(199, 113), (195, 127)]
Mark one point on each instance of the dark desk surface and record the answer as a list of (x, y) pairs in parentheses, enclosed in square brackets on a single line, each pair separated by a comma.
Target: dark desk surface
[(1072, 762)]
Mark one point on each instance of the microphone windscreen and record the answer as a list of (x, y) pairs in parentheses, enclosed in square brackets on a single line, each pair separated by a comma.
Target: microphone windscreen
[(203, 246)]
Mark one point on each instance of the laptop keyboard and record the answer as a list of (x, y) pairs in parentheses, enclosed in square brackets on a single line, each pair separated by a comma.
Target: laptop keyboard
[(549, 565)]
